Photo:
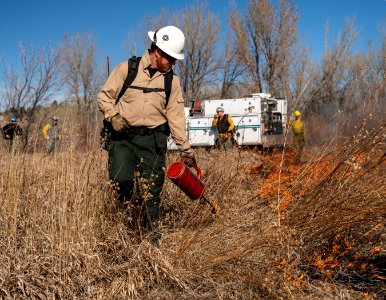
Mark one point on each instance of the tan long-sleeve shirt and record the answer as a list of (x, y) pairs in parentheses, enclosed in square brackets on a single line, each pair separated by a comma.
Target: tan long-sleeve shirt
[(145, 109)]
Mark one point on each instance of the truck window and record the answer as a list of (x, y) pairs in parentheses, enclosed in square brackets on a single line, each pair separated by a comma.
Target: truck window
[(275, 123)]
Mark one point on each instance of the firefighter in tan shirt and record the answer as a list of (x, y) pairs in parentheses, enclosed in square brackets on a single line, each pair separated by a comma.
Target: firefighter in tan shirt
[(142, 120)]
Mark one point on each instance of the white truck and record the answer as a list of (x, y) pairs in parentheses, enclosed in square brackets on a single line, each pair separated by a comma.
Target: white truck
[(259, 121)]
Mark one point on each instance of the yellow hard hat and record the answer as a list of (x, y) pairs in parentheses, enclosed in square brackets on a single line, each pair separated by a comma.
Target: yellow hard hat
[(297, 113)]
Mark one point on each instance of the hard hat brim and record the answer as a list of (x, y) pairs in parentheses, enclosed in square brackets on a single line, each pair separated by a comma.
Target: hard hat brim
[(174, 55), (151, 35)]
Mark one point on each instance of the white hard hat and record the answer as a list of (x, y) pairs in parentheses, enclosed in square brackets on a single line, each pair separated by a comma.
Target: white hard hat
[(219, 109), (170, 40)]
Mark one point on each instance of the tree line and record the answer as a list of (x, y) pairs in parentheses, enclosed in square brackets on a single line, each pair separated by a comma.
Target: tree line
[(260, 52)]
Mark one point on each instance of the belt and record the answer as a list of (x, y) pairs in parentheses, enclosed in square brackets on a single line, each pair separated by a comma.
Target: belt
[(142, 130), (139, 130)]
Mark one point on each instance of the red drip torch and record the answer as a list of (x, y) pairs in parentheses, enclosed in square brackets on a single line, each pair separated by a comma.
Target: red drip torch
[(189, 183)]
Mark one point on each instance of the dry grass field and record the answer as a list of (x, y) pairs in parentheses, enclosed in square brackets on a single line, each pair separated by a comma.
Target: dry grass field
[(314, 230)]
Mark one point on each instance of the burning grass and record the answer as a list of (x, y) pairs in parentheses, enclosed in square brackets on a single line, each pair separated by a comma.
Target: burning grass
[(285, 231)]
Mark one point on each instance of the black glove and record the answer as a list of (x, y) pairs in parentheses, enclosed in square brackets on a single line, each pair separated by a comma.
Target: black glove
[(190, 158), (119, 123)]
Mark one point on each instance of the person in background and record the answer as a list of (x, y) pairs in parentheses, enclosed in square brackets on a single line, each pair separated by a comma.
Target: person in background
[(52, 135), (141, 121), (298, 130), (225, 127), (11, 132)]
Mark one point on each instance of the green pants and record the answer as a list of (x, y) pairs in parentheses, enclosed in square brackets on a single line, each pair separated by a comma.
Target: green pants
[(9, 145), (225, 142), (137, 167), (13, 145), (52, 145), (299, 142)]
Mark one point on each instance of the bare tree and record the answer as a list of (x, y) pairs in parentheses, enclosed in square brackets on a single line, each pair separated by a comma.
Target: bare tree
[(80, 68), (299, 82), (330, 80), (232, 68), (133, 41), (83, 79), (265, 38), (33, 84), (366, 92), (200, 67)]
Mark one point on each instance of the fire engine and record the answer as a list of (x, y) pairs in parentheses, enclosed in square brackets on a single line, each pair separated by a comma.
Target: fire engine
[(259, 121)]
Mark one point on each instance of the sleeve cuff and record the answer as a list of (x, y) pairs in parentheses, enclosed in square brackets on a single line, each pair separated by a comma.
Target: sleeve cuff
[(186, 148)]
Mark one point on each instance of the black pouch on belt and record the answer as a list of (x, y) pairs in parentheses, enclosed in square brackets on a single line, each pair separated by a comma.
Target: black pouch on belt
[(161, 135), (161, 140), (105, 135)]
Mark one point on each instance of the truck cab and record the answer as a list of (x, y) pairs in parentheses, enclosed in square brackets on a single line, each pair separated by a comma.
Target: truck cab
[(273, 120)]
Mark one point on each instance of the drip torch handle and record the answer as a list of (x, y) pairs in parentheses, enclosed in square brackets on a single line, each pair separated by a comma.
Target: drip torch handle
[(194, 166)]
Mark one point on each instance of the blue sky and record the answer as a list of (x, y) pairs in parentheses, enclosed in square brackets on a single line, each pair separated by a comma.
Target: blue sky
[(40, 21)]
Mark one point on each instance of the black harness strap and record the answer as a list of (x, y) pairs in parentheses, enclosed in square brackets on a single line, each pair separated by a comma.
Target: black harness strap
[(132, 73), (168, 84)]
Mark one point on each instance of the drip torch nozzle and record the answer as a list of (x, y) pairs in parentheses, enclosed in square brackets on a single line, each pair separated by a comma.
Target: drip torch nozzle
[(215, 207)]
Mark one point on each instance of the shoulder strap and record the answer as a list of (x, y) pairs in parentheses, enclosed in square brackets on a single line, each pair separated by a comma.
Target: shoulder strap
[(168, 84), (131, 74)]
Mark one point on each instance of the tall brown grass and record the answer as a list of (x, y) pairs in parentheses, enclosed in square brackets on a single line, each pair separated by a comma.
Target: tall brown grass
[(285, 231)]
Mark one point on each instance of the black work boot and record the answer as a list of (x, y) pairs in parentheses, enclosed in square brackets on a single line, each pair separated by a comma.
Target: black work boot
[(155, 238)]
